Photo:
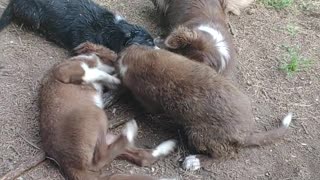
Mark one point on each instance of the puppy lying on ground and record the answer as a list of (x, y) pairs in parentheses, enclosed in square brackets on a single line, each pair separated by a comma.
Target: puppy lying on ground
[(72, 22), (216, 115), (73, 125), (200, 30)]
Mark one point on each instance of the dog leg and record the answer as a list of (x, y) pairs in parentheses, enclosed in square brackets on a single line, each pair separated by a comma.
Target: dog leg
[(146, 157), (93, 75), (108, 149)]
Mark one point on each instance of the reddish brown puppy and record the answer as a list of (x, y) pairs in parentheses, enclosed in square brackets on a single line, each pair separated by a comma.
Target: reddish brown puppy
[(216, 115), (200, 30), (73, 125)]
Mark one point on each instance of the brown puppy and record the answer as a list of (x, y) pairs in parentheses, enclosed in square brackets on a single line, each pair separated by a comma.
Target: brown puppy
[(216, 115), (73, 125), (200, 31)]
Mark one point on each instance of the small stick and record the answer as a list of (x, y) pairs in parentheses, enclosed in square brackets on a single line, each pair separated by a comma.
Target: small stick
[(29, 142), (231, 29), (305, 129), (116, 123), (24, 167)]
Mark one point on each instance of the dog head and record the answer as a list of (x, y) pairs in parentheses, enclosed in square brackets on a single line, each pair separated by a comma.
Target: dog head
[(135, 34), (72, 71), (203, 44), (138, 35)]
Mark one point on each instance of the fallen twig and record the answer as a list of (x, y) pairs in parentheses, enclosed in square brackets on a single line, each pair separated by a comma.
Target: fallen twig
[(29, 142), (305, 129), (24, 167), (116, 123)]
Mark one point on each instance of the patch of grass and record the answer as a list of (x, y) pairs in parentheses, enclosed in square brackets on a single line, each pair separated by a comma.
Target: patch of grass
[(292, 29), (294, 62), (277, 4)]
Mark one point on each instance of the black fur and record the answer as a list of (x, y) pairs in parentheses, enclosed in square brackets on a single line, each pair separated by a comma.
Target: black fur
[(72, 22)]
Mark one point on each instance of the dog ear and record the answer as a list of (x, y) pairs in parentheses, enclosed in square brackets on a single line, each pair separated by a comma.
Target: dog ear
[(69, 72), (180, 37)]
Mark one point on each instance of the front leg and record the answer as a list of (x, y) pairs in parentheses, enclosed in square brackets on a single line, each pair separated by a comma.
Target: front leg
[(94, 75)]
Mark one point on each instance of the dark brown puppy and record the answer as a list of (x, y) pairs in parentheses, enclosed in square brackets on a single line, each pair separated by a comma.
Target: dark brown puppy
[(200, 31), (73, 125), (216, 115)]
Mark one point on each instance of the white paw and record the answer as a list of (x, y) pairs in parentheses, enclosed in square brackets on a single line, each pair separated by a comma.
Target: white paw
[(131, 130), (287, 120), (191, 163), (164, 148), (113, 82)]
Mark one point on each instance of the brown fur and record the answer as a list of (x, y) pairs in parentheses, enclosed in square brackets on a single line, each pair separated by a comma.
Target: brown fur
[(185, 16), (216, 115), (74, 129)]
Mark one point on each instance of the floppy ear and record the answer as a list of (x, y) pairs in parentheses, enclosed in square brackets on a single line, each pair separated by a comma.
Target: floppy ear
[(69, 72), (180, 37)]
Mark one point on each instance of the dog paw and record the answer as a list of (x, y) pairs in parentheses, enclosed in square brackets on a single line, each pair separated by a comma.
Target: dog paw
[(131, 130), (191, 163), (113, 83), (164, 148), (85, 48)]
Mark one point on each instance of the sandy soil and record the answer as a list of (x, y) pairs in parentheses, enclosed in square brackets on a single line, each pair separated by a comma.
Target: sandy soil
[(260, 35)]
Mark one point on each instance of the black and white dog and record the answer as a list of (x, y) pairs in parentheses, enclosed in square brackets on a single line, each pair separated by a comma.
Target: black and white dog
[(72, 22)]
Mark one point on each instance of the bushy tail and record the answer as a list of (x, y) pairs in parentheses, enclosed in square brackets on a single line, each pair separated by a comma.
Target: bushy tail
[(6, 17), (261, 138)]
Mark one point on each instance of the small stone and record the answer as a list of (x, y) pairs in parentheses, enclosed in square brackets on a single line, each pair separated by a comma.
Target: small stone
[(251, 11), (11, 42)]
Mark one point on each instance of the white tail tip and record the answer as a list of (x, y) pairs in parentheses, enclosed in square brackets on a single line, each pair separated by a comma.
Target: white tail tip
[(287, 120), (164, 148), (131, 130)]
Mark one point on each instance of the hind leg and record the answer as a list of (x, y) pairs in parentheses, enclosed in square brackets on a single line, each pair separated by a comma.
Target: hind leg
[(146, 157), (109, 147), (211, 146)]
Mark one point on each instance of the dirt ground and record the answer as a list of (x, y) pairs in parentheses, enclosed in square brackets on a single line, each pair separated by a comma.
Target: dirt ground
[(260, 35)]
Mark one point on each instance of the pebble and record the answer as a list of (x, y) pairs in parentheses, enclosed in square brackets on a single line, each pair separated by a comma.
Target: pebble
[(251, 11)]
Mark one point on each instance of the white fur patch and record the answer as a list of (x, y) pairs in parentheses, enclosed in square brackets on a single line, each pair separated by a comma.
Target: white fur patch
[(118, 18), (131, 130), (164, 148), (87, 57), (123, 68), (287, 120), (220, 44), (98, 100), (191, 163), (104, 67), (156, 47), (93, 75)]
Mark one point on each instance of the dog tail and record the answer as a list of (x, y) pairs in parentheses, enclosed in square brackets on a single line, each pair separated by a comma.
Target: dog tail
[(7, 16), (261, 138)]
